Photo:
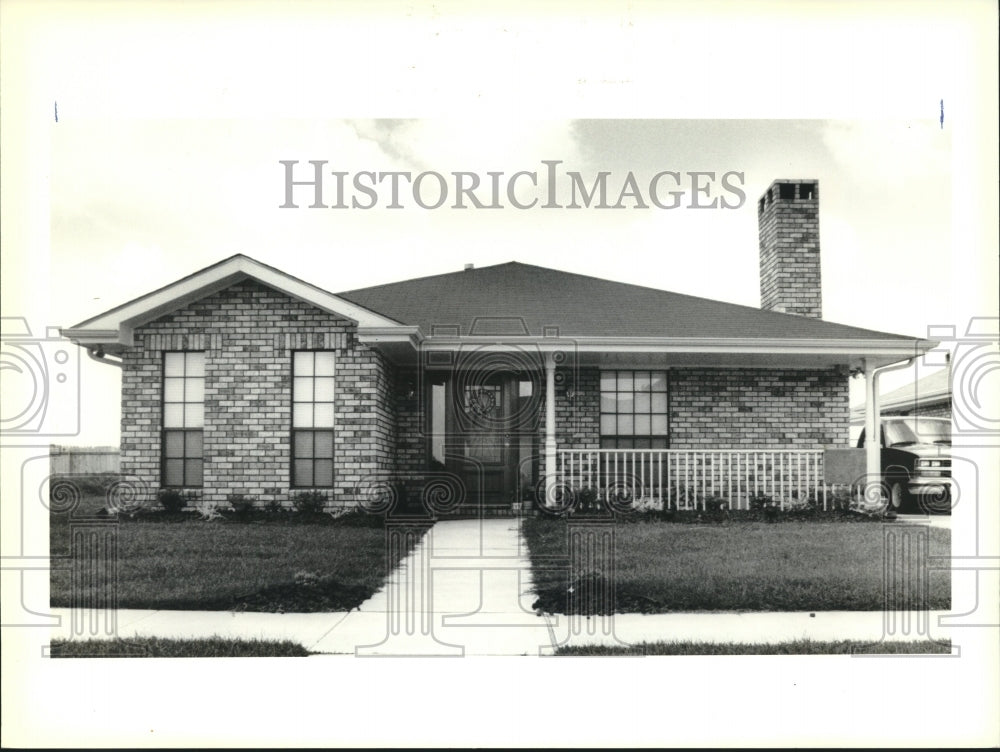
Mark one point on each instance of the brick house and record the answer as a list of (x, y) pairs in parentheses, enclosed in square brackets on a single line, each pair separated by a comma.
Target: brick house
[(491, 386)]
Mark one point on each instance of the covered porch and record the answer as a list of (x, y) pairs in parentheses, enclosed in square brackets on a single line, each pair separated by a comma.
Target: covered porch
[(641, 423)]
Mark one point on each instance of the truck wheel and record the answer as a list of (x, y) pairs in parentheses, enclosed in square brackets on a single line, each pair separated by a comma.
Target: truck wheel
[(897, 497)]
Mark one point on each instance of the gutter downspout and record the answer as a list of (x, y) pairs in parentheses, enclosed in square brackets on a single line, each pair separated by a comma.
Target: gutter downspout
[(873, 428), (100, 357)]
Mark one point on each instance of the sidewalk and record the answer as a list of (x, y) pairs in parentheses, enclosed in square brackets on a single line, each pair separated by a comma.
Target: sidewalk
[(466, 590)]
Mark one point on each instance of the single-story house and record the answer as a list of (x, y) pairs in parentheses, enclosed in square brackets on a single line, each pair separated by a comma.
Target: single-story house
[(493, 386)]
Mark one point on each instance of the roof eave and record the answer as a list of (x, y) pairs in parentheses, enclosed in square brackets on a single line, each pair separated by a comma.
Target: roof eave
[(822, 346)]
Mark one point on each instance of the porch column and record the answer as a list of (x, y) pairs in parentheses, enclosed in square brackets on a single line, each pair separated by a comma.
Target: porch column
[(873, 439), (550, 428)]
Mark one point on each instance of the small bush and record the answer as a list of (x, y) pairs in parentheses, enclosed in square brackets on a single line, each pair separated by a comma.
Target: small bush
[(311, 502), (715, 508), (683, 497), (587, 501), (242, 504), (173, 500), (619, 499), (841, 498), (273, 507), (209, 512)]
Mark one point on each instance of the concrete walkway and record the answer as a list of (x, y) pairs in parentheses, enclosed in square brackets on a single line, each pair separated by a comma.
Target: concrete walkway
[(466, 590)]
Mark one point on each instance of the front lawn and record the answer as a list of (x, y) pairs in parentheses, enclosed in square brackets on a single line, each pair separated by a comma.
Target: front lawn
[(158, 647), (283, 564), (665, 567), (795, 647)]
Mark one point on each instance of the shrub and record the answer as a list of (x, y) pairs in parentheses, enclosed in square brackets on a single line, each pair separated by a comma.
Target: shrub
[(406, 499), (682, 497), (647, 505), (841, 498), (273, 507), (309, 501), (209, 512), (619, 498), (797, 507), (173, 500), (715, 508), (242, 504), (587, 501)]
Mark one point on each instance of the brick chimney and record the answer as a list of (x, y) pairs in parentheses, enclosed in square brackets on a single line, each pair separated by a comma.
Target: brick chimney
[(788, 221)]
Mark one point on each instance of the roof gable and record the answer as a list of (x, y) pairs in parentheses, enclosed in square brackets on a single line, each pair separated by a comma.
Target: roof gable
[(123, 319)]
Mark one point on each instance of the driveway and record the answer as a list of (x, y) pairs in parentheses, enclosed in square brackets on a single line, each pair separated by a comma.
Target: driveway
[(931, 520)]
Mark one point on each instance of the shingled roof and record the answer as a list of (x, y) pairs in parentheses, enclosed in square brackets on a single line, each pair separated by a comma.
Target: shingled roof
[(581, 306)]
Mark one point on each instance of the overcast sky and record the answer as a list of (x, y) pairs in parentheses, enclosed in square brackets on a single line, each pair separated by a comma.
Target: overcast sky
[(166, 154), (155, 200)]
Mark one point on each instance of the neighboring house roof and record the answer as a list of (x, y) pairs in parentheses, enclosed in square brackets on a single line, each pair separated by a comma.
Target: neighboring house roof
[(929, 390), (581, 306)]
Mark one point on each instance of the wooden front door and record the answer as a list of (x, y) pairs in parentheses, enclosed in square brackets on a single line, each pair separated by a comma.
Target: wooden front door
[(483, 427), (492, 435), (482, 443)]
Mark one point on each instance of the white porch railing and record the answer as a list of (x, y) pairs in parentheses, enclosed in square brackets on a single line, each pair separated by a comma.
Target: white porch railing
[(690, 478)]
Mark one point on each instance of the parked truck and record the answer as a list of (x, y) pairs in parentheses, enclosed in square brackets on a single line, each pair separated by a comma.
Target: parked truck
[(916, 463)]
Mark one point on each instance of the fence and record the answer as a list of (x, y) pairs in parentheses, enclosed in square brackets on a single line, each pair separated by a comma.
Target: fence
[(64, 460), (688, 479)]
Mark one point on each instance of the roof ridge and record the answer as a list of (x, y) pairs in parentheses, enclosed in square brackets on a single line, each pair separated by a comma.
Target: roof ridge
[(435, 276)]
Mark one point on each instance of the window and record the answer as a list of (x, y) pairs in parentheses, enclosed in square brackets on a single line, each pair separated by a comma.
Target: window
[(438, 395), (312, 419), (183, 419), (633, 409)]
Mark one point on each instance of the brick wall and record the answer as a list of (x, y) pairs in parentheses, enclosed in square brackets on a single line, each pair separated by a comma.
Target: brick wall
[(726, 408), (249, 332), (411, 443), (741, 408), (578, 420), (789, 249)]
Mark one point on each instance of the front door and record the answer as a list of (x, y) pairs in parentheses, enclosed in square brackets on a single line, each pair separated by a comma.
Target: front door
[(491, 429), (483, 443)]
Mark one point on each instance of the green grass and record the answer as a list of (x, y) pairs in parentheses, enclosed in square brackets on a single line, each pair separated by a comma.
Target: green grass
[(662, 567), (795, 647), (284, 564), (157, 647)]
